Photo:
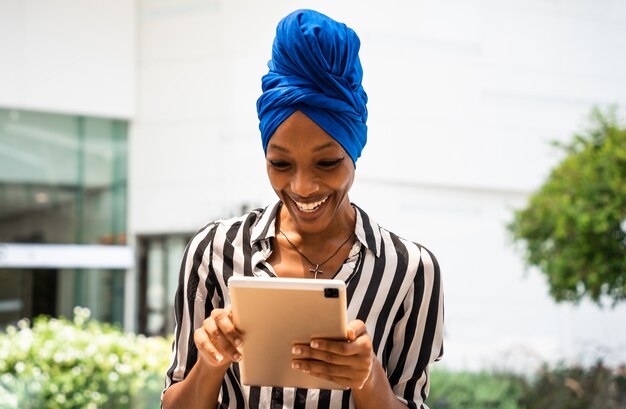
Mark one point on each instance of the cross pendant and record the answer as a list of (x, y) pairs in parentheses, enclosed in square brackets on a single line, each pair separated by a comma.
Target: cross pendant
[(316, 271)]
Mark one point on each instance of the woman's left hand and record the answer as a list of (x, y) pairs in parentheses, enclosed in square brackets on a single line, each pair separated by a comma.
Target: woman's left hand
[(348, 363)]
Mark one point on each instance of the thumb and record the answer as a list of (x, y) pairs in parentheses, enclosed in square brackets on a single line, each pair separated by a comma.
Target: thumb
[(356, 328)]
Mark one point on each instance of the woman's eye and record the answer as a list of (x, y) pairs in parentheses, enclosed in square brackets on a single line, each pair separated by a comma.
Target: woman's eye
[(279, 164), (329, 163)]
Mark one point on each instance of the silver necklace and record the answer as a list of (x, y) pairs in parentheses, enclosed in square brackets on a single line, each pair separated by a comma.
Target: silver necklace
[(315, 270)]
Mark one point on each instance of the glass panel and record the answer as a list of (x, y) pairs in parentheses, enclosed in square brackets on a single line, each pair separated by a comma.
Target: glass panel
[(155, 292), (62, 178), (162, 257), (12, 295)]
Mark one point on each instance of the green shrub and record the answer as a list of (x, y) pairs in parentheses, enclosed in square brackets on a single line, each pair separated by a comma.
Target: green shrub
[(559, 387), (58, 363), (468, 390), (598, 387)]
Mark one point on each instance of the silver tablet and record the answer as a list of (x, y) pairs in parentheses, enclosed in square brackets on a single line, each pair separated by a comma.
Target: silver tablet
[(275, 313)]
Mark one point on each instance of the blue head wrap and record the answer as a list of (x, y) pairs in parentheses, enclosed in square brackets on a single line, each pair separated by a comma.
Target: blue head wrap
[(315, 68)]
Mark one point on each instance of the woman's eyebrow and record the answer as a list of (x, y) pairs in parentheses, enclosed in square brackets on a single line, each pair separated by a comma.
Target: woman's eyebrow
[(273, 146), (324, 146)]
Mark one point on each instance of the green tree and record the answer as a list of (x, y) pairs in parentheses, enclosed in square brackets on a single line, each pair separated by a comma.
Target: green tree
[(574, 227)]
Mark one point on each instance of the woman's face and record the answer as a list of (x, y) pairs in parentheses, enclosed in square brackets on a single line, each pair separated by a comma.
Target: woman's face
[(311, 173)]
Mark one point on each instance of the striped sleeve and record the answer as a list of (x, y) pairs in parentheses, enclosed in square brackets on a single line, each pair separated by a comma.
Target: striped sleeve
[(418, 333), (194, 287)]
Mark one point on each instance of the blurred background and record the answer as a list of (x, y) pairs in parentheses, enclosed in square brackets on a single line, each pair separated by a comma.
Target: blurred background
[(125, 126)]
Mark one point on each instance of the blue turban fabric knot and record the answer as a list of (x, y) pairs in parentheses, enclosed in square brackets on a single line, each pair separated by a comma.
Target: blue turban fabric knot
[(315, 68)]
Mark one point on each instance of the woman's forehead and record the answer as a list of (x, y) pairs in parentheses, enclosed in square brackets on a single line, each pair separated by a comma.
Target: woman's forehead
[(299, 131)]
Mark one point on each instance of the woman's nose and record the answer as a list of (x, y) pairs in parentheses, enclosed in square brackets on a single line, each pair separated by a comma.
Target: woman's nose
[(304, 184)]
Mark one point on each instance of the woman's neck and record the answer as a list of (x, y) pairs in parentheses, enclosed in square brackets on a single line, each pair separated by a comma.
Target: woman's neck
[(342, 227)]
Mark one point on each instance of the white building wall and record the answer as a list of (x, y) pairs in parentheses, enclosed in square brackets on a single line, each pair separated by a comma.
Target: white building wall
[(464, 99), (68, 56)]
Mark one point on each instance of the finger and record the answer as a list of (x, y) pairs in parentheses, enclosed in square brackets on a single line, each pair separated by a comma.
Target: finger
[(224, 321), (344, 375), (360, 346), (206, 348), (304, 352), (220, 341), (321, 367), (338, 355), (356, 328), (353, 362)]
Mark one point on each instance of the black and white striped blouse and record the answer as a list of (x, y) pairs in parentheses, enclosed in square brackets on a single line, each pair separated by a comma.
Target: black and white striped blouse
[(393, 285)]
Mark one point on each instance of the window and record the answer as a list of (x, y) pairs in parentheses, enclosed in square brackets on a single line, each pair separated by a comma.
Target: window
[(62, 181)]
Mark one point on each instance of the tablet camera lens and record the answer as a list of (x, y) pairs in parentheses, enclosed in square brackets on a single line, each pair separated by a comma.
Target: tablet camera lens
[(331, 293)]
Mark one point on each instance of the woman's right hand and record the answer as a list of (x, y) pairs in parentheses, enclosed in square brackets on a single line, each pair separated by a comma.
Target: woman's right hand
[(218, 341)]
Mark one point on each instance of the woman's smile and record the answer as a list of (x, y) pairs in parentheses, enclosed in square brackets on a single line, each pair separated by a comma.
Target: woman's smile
[(310, 207)]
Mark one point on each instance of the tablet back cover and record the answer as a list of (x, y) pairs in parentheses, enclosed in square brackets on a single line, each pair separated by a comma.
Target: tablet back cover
[(275, 313)]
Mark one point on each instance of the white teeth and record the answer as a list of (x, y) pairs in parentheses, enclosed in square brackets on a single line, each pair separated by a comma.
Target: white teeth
[(310, 207)]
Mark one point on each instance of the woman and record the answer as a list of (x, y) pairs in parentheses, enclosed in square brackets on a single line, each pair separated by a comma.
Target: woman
[(313, 126)]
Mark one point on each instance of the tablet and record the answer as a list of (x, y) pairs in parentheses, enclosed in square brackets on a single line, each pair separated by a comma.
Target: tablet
[(273, 314)]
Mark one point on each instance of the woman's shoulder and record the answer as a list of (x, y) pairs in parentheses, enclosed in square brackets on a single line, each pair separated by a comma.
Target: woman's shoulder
[(425, 253), (404, 248), (249, 220), (374, 232)]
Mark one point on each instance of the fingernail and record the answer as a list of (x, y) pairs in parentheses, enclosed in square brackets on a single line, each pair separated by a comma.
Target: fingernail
[(296, 350), (295, 365), (315, 344), (238, 342), (237, 357), (218, 357)]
